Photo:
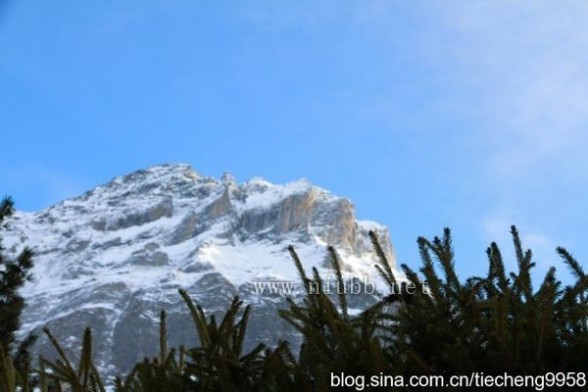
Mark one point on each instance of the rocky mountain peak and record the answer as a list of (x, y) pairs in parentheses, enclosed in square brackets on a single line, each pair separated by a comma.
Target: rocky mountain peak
[(114, 256), (228, 178)]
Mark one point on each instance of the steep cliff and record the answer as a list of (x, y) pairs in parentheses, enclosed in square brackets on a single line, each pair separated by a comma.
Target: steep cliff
[(113, 257)]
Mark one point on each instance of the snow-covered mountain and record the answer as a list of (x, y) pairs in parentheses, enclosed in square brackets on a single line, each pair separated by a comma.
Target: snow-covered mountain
[(115, 256)]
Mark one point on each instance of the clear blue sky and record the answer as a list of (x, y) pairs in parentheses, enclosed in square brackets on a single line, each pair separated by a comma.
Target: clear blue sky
[(426, 114)]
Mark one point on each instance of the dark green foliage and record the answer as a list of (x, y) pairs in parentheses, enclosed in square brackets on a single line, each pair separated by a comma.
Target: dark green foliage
[(61, 371), (165, 373), (219, 363), (332, 340), (494, 324), (9, 377), (13, 275)]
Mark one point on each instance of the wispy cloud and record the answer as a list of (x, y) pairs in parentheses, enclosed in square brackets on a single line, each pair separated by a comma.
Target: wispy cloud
[(523, 65), (526, 61)]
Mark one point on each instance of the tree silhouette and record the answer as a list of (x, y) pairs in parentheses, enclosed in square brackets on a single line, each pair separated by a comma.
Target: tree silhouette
[(13, 275)]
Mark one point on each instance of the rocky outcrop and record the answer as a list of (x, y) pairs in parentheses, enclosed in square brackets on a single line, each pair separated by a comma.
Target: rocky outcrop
[(115, 256)]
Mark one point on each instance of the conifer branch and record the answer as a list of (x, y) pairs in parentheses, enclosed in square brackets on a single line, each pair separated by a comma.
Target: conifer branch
[(336, 264)]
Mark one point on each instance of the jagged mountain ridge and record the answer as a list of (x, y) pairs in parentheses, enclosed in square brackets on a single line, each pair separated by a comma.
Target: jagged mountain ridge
[(113, 257)]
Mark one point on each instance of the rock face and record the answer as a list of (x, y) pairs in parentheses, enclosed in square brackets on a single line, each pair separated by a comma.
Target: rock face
[(115, 256)]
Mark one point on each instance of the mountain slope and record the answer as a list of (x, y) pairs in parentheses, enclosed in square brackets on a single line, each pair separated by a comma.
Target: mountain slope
[(113, 257)]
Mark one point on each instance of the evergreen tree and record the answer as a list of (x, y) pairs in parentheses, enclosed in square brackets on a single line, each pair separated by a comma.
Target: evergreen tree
[(493, 324), (84, 378), (333, 340), (219, 363), (13, 275), (165, 373)]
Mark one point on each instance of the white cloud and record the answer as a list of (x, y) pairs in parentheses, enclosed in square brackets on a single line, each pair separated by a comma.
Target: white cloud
[(523, 65), (526, 62)]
